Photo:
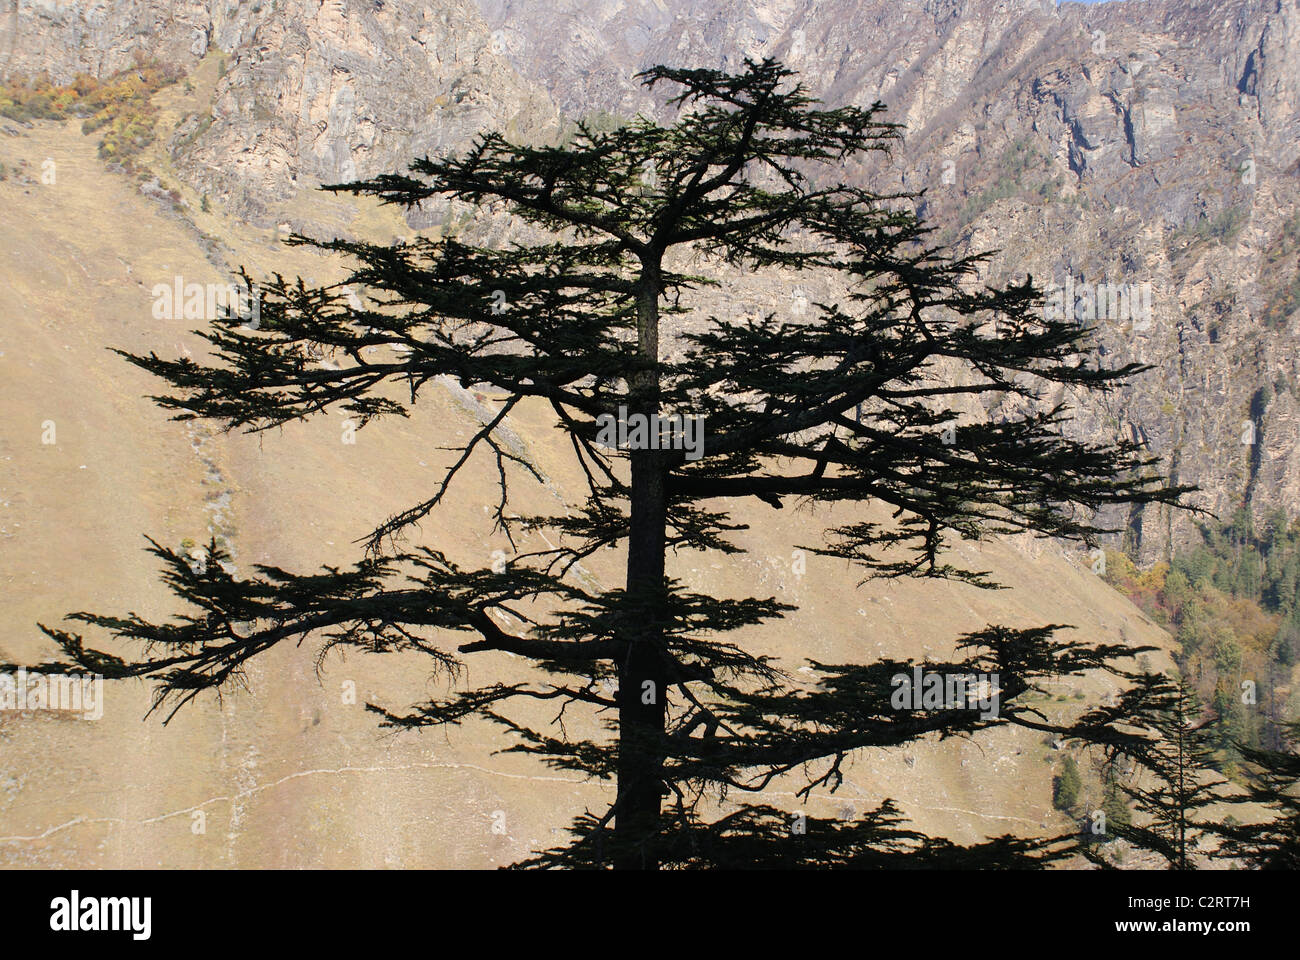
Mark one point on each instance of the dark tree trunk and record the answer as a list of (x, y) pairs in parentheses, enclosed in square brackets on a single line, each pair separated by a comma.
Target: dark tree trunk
[(642, 675)]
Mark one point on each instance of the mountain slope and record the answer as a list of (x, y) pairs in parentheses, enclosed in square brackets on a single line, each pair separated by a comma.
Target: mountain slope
[(291, 773)]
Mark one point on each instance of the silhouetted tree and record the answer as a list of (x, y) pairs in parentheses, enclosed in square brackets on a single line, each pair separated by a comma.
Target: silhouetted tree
[(850, 403), (1271, 842), (1173, 778)]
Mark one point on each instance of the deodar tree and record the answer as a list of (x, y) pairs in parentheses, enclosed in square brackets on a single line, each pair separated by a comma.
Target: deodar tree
[(848, 403), (1173, 784)]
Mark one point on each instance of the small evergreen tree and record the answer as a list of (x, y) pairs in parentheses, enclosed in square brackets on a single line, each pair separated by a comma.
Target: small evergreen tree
[(1175, 781), (1066, 785)]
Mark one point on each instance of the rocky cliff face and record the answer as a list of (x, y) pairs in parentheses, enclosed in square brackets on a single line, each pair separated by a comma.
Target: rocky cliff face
[(1142, 150), (59, 39), (323, 93), (310, 92)]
